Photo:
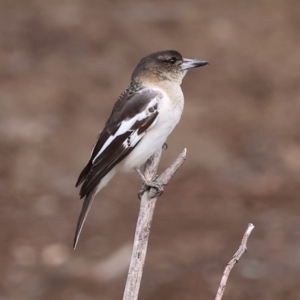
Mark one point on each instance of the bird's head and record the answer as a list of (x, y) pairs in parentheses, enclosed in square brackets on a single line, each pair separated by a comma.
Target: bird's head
[(165, 65)]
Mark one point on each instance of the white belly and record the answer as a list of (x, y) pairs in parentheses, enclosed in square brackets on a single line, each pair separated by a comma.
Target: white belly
[(169, 115)]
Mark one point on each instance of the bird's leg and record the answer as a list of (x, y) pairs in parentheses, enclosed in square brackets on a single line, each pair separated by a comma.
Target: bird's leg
[(147, 184), (165, 146)]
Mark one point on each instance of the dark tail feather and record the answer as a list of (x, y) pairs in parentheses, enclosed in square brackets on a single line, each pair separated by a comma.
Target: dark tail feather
[(87, 202)]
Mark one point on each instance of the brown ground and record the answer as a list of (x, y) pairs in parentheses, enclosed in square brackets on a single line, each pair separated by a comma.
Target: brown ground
[(62, 65)]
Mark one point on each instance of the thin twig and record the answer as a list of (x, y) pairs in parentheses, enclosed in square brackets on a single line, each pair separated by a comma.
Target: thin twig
[(148, 201), (242, 249)]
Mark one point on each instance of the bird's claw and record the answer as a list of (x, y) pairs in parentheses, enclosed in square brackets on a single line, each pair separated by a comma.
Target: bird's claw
[(165, 146), (151, 185), (148, 184)]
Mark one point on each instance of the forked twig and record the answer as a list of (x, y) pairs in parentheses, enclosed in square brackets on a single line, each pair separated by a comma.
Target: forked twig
[(148, 201)]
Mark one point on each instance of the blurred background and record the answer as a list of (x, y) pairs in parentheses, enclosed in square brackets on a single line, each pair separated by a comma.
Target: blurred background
[(62, 66)]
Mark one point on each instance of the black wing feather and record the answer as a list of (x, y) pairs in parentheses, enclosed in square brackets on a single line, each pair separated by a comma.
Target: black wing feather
[(128, 105), (102, 138), (125, 108)]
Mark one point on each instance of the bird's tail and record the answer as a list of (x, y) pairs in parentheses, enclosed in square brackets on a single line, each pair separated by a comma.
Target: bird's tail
[(86, 205)]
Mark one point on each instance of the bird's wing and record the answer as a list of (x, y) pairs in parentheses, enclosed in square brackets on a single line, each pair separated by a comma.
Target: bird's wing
[(132, 115)]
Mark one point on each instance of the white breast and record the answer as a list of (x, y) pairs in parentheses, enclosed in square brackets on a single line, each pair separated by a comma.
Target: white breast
[(170, 111)]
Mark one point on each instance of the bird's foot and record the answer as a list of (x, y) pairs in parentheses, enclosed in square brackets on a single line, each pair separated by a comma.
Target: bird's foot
[(165, 146), (147, 185)]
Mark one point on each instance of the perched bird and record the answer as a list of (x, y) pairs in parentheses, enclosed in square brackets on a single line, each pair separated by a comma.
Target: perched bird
[(140, 122)]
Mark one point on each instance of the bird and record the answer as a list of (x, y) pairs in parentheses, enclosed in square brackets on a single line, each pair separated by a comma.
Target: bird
[(141, 120)]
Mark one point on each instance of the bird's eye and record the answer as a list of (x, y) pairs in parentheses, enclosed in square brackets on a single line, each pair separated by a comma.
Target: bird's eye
[(172, 60)]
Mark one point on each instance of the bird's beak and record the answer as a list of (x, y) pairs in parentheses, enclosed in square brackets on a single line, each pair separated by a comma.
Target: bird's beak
[(192, 63)]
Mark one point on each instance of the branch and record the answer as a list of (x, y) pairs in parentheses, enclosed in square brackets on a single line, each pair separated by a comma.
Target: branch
[(148, 201), (236, 257)]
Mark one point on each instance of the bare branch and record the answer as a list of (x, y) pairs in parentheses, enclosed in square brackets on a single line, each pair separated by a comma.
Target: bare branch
[(238, 254), (148, 201)]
